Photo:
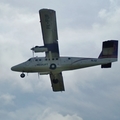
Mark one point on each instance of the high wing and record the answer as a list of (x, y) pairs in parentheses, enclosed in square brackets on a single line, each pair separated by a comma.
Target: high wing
[(57, 82), (50, 39), (49, 31)]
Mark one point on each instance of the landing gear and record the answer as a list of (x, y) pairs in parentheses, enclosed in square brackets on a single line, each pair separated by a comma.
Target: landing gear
[(53, 66), (22, 75)]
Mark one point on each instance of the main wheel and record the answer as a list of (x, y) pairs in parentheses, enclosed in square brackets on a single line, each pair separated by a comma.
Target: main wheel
[(53, 66), (22, 75)]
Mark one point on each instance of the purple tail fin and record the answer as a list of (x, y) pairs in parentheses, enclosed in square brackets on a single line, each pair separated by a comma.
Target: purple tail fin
[(109, 49)]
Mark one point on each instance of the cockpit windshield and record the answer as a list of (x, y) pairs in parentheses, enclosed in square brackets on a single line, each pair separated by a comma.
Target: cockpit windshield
[(30, 59)]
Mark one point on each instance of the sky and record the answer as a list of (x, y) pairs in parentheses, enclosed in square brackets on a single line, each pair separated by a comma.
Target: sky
[(91, 93)]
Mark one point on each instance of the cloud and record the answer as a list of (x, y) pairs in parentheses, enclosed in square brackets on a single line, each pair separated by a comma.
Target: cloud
[(7, 99), (37, 113), (50, 114), (61, 117)]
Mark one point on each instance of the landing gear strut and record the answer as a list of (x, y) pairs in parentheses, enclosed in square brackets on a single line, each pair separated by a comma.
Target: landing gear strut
[(22, 75)]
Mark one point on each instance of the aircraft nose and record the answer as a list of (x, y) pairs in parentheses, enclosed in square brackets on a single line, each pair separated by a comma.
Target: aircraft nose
[(17, 68), (13, 68)]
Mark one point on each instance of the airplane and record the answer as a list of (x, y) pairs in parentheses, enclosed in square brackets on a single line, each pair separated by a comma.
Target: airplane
[(53, 64)]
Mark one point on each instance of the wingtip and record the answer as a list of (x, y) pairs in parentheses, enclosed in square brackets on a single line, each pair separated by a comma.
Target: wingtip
[(46, 9)]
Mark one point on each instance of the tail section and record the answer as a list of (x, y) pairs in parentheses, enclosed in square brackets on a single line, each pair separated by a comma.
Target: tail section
[(109, 50)]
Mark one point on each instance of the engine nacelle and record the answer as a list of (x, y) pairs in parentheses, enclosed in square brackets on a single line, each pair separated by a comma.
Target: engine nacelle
[(39, 49)]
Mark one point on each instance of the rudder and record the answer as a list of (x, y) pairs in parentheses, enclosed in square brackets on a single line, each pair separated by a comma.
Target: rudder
[(109, 49)]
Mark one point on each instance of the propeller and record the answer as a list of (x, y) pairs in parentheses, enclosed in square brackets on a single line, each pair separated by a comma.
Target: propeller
[(32, 51)]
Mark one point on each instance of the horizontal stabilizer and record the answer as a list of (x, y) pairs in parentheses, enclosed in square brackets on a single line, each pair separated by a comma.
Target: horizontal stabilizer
[(106, 65)]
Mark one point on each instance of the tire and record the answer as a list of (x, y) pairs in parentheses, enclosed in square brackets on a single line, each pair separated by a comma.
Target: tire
[(53, 66), (22, 75)]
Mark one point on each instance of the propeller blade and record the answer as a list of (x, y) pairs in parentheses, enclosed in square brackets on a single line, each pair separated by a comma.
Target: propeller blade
[(33, 53)]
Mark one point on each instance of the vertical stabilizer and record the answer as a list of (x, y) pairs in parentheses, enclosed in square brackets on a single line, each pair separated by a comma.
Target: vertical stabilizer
[(109, 49)]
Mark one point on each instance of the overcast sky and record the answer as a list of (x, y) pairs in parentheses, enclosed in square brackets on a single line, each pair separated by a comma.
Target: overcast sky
[(91, 93)]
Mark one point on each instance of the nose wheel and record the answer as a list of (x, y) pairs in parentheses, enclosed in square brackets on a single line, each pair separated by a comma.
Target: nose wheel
[(22, 75)]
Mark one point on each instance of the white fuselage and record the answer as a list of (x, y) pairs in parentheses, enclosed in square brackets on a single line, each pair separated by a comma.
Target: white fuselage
[(42, 64)]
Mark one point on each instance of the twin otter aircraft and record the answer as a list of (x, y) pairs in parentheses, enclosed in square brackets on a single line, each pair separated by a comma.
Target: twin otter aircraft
[(53, 64)]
